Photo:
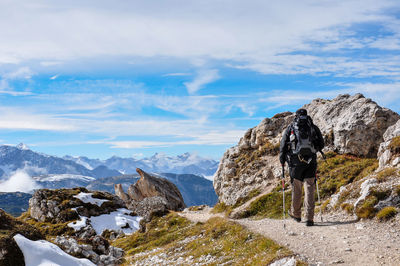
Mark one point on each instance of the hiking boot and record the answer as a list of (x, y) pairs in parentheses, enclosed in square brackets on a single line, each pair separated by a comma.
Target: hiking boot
[(294, 218), (309, 223)]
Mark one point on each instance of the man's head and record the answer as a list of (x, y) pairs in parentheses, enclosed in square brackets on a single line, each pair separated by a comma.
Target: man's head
[(301, 112)]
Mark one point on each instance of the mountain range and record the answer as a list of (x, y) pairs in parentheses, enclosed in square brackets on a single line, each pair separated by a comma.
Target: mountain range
[(186, 163), (19, 157)]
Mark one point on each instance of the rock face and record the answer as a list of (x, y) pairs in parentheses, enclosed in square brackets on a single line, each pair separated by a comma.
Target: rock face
[(150, 195), (349, 124), (352, 124), (389, 150)]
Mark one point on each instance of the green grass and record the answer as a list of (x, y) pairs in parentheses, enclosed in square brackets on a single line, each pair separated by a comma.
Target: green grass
[(340, 170), (221, 207), (224, 240), (394, 145), (385, 173), (269, 206), (386, 213), (252, 194), (367, 209)]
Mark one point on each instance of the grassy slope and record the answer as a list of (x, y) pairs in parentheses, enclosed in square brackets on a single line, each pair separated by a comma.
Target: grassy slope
[(336, 171), (223, 240)]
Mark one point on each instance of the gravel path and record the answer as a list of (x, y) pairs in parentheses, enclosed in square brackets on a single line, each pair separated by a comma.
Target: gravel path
[(333, 241)]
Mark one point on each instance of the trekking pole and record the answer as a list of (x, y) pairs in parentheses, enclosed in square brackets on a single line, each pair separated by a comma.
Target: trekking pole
[(283, 196)]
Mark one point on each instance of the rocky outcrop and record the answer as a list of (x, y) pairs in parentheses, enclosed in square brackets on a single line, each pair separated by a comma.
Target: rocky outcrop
[(352, 124), (150, 195), (349, 124), (62, 205), (97, 249), (389, 150)]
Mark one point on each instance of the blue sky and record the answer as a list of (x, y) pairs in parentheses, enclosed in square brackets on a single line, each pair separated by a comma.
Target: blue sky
[(131, 78)]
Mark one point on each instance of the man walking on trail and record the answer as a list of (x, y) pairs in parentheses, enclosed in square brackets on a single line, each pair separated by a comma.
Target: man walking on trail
[(299, 146)]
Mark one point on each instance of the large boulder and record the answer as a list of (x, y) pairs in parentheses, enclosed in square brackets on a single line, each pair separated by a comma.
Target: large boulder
[(349, 124), (151, 195), (389, 150), (352, 124)]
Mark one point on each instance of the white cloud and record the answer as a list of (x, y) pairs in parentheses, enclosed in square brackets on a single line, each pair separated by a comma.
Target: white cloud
[(19, 181), (210, 138), (176, 74), (252, 33), (202, 78)]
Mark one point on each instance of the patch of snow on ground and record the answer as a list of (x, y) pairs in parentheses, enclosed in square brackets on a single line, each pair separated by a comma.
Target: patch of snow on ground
[(78, 225), (87, 198), (115, 221), (43, 253)]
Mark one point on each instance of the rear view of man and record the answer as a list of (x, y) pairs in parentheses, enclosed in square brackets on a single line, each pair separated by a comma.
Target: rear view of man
[(299, 146)]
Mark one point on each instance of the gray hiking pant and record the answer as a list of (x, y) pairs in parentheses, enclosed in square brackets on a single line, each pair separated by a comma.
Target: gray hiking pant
[(309, 200)]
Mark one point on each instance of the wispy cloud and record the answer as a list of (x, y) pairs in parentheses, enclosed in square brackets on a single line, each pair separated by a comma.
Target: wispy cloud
[(178, 74), (202, 78), (264, 31), (211, 138)]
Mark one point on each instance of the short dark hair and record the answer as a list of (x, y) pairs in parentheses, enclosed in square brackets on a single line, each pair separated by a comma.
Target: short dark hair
[(301, 111)]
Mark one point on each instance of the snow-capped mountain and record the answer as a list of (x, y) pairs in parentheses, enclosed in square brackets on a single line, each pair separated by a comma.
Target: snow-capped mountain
[(186, 163), (20, 157)]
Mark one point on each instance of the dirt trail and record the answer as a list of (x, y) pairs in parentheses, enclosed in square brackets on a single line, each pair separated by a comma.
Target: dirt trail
[(332, 241)]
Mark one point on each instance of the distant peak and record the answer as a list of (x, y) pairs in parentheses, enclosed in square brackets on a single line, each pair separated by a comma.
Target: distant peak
[(22, 146)]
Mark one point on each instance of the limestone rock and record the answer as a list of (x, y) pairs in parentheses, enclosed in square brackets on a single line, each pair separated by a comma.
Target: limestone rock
[(352, 124), (349, 124), (151, 195), (96, 249), (389, 150)]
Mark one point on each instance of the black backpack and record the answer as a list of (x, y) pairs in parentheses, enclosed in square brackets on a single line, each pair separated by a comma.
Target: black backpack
[(302, 138)]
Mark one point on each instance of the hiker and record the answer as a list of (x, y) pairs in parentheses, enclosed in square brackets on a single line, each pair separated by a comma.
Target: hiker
[(299, 146)]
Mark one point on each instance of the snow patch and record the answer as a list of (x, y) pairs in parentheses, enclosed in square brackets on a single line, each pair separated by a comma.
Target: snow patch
[(22, 146), (43, 253), (78, 225), (116, 221), (87, 198)]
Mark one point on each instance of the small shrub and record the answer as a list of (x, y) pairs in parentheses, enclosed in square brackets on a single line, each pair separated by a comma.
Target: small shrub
[(385, 173), (367, 209), (349, 208), (222, 207), (386, 213), (324, 205), (394, 145)]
